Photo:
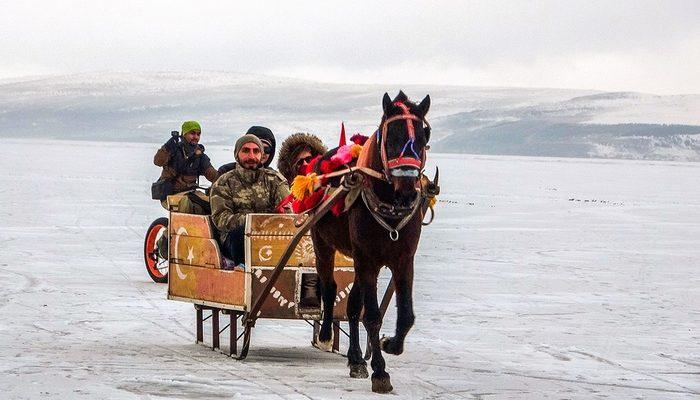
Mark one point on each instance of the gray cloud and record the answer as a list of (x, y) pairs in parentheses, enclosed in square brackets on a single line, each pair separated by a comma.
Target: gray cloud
[(621, 45)]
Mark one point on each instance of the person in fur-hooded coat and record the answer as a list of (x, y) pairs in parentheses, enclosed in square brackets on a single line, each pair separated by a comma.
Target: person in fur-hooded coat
[(296, 152)]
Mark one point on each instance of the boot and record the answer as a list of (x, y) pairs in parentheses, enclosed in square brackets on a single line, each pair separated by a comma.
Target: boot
[(309, 291), (162, 245), (227, 264)]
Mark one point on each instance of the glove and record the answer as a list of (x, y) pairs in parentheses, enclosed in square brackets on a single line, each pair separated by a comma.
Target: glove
[(171, 145), (198, 151)]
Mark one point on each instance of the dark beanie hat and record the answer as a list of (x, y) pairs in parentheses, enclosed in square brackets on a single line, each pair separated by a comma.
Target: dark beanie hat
[(265, 135)]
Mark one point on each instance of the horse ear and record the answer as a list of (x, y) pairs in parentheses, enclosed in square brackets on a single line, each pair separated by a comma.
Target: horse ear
[(401, 97), (386, 102), (424, 106)]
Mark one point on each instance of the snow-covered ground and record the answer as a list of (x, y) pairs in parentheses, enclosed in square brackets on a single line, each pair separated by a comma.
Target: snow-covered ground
[(539, 279)]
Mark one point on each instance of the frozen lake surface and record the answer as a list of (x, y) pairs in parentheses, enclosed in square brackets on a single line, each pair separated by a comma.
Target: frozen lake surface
[(539, 279)]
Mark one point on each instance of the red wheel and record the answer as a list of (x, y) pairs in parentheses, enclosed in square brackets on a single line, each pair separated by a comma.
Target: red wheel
[(155, 250)]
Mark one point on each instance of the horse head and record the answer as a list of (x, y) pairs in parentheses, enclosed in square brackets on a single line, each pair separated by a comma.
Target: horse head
[(403, 137)]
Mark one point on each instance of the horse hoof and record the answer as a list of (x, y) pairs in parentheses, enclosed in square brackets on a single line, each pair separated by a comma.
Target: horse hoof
[(388, 345), (359, 371), (324, 345), (382, 385)]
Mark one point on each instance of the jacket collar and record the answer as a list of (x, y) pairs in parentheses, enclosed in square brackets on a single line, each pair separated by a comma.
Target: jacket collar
[(247, 175)]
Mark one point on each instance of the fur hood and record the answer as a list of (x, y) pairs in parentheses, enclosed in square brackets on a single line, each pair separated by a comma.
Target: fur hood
[(291, 147)]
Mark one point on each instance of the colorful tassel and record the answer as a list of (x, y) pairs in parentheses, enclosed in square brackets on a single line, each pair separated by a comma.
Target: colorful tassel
[(355, 150), (432, 202), (359, 139), (342, 155), (304, 185)]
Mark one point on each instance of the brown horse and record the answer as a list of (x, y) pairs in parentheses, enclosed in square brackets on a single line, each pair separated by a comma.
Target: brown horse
[(382, 229)]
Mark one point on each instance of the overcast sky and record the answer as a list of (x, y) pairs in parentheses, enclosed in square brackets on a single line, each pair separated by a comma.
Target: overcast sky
[(650, 46)]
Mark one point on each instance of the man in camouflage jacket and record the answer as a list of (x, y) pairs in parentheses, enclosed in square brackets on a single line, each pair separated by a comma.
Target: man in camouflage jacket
[(248, 188)]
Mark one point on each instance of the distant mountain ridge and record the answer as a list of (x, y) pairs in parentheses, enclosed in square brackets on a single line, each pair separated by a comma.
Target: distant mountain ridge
[(583, 126), (122, 106)]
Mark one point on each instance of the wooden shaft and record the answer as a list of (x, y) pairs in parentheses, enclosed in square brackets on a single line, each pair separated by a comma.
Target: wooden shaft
[(386, 299)]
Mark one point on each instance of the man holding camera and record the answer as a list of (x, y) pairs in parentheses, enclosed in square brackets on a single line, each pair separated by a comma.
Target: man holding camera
[(183, 160)]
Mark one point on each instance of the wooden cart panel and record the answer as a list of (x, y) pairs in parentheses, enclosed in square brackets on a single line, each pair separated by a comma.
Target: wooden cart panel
[(191, 225), (266, 251), (192, 250), (283, 301), (193, 283)]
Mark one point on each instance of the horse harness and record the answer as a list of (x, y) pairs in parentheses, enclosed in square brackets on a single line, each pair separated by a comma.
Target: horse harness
[(382, 211)]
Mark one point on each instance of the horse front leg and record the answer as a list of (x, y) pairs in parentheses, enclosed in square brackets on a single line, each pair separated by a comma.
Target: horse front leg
[(403, 281), (357, 363), (381, 382)]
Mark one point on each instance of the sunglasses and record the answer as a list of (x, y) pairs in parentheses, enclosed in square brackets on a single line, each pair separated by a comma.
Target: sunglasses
[(267, 150), (303, 161)]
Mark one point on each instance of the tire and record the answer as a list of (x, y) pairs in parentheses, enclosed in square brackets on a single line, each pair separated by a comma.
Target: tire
[(156, 265)]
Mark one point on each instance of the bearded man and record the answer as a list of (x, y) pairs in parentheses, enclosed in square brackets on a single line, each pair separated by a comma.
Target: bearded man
[(267, 138), (248, 188)]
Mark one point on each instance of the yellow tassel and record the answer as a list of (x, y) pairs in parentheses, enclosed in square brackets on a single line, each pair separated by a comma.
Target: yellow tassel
[(355, 150), (303, 186), (433, 201)]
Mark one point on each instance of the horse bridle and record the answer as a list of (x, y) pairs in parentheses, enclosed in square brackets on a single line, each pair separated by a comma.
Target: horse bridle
[(380, 210), (419, 161)]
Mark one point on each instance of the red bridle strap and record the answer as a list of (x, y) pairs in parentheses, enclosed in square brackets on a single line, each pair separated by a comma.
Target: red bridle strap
[(401, 161), (409, 121), (404, 162)]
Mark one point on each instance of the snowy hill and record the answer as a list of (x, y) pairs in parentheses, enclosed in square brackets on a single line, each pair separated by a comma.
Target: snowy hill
[(551, 122), (606, 125)]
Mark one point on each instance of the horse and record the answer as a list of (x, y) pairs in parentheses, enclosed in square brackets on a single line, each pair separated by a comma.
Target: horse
[(381, 230)]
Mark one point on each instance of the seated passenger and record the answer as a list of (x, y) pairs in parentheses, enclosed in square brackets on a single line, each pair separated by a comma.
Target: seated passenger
[(268, 141), (296, 152), (247, 188), (183, 160)]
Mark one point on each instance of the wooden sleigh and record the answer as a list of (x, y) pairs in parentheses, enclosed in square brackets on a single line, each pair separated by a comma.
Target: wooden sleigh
[(266, 288)]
